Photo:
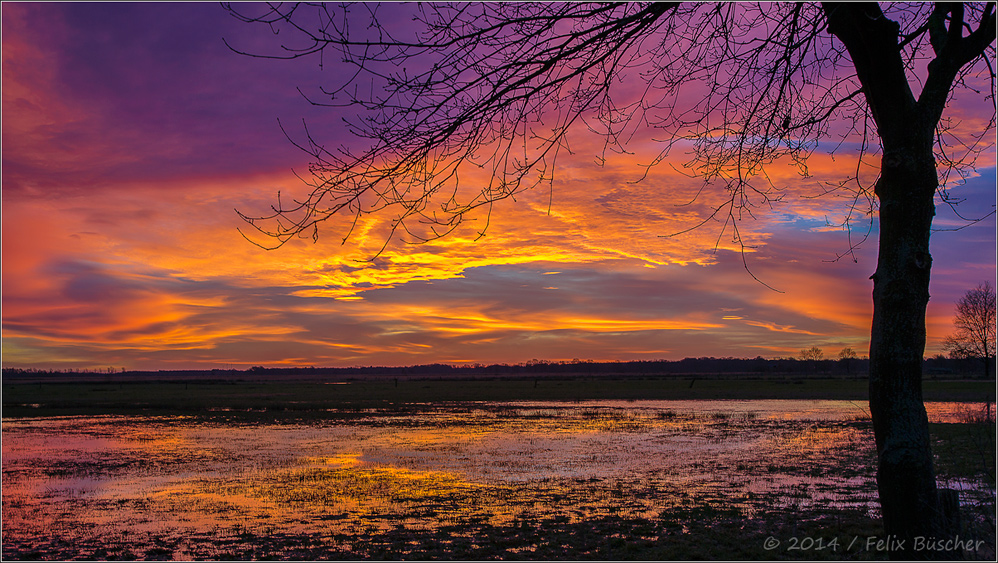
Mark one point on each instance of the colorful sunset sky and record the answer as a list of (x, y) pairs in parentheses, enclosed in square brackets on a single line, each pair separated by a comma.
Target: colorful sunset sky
[(131, 134)]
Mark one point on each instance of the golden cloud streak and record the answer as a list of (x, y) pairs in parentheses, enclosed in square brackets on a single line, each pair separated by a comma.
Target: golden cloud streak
[(450, 320)]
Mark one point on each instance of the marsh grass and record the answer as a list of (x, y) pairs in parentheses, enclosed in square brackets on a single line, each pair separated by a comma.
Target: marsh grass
[(537, 527), (965, 457), (719, 535)]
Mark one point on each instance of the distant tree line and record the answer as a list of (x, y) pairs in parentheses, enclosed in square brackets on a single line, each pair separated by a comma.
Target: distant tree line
[(808, 364)]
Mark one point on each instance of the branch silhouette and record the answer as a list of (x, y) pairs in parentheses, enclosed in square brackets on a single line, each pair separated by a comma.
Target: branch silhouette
[(729, 90)]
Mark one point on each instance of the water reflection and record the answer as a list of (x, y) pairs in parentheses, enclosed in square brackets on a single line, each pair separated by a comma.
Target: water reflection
[(96, 482)]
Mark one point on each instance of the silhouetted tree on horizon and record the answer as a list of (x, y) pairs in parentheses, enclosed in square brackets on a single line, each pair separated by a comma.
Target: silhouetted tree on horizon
[(975, 326), (811, 357), (813, 354), (848, 357), (499, 87)]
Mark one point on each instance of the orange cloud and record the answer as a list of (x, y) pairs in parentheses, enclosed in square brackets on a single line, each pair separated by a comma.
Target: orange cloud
[(121, 242)]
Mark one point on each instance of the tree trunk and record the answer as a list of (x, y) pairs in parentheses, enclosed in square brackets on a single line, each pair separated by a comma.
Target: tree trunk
[(905, 476), (906, 191)]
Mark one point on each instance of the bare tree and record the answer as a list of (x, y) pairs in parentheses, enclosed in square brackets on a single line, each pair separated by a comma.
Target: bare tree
[(848, 357), (847, 354), (813, 354), (502, 87), (975, 326)]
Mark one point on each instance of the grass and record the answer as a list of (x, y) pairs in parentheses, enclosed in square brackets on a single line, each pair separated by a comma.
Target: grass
[(276, 398)]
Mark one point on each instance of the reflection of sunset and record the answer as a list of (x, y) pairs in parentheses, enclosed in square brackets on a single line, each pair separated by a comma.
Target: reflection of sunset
[(196, 485), (439, 468)]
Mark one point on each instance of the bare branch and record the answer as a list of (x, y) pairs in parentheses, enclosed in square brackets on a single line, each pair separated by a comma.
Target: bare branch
[(500, 88)]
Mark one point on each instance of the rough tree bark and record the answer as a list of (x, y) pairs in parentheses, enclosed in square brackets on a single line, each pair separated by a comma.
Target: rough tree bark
[(906, 192)]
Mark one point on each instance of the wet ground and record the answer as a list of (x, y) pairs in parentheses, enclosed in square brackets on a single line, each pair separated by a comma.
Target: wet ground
[(611, 479)]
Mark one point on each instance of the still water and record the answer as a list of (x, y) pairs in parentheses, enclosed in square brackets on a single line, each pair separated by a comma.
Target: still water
[(173, 487)]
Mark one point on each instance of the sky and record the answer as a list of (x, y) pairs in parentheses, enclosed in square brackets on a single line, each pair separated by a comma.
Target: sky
[(131, 134)]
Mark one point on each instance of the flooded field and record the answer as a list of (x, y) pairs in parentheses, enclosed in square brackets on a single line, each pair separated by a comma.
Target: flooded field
[(593, 479)]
